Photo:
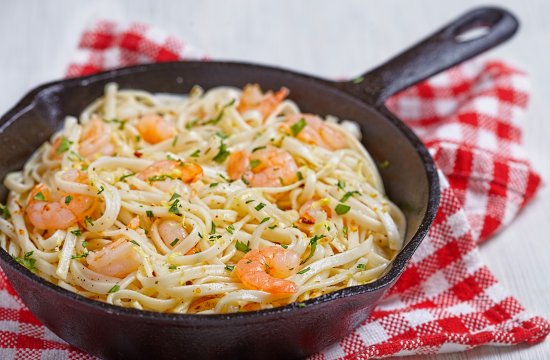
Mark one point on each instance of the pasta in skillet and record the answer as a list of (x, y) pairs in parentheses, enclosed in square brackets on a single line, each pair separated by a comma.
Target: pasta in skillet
[(214, 202)]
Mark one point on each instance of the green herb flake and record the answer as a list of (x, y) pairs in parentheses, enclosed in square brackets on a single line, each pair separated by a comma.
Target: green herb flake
[(174, 208), (196, 153), (126, 176), (222, 154), (159, 178), (39, 196), (258, 148), (221, 113), (213, 185), (135, 243), (341, 184), (89, 220), (175, 141), (299, 175), (84, 244), (213, 228), (266, 219), (114, 289), (298, 126), (222, 135), (384, 164), (272, 227), (174, 242), (191, 124), (301, 305), (174, 196), (230, 229), (68, 199), (63, 145), (241, 246), (358, 80), (313, 244), (284, 246), (254, 163), (303, 271), (348, 195), (260, 206), (229, 267), (172, 267), (341, 209), (76, 232), (101, 189), (249, 201), (79, 256), (345, 231), (4, 212), (362, 266), (245, 181), (149, 214), (27, 261)]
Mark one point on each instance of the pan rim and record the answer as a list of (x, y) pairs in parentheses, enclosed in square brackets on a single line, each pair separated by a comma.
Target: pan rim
[(398, 263)]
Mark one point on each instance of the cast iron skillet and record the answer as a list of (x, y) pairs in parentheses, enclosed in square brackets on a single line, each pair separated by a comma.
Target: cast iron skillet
[(286, 332)]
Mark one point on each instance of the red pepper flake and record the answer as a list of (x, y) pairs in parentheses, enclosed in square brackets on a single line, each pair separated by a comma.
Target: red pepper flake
[(137, 154)]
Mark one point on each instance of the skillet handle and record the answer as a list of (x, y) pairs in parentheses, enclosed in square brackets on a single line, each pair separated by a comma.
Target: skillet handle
[(440, 51)]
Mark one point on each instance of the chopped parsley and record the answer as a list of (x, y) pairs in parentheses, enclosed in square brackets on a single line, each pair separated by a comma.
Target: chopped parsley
[(362, 266), (172, 267), (249, 201), (254, 163), (159, 178), (229, 267), (298, 126), (39, 196), (4, 212), (213, 228), (192, 123), (27, 261), (149, 214), (313, 244), (80, 256), (266, 219), (135, 243), (174, 208), (222, 154), (126, 176), (63, 145), (68, 199), (303, 271), (345, 231), (226, 179), (341, 184), (114, 289), (196, 153), (174, 242), (341, 209), (222, 135), (260, 206), (175, 141), (299, 175), (258, 148), (213, 185), (272, 226), (230, 229), (84, 244), (101, 189), (174, 196), (301, 305), (348, 195), (384, 164), (358, 80), (220, 114), (120, 123), (241, 246), (76, 232), (284, 246), (245, 181), (89, 220)]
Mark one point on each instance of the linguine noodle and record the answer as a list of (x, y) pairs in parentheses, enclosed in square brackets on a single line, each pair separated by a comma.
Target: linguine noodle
[(168, 203)]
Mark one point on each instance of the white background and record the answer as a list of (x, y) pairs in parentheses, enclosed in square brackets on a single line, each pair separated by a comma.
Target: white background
[(330, 39)]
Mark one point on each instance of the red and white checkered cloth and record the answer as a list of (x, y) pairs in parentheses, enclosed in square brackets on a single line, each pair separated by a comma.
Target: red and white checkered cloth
[(447, 299)]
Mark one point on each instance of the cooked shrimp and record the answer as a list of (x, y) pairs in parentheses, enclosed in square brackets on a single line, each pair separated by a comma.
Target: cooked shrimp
[(254, 99), (316, 132), (95, 139), (314, 211), (154, 129), (49, 213), (265, 167), (170, 169), (117, 259), (171, 232), (267, 268)]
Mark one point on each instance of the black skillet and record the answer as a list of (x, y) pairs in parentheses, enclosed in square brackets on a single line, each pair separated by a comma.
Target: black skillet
[(287, 332)]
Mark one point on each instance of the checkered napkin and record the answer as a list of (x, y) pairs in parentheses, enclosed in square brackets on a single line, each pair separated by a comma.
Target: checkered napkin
[(447, 299)]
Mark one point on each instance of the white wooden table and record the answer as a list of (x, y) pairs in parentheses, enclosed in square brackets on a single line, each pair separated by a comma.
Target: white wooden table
[(327, 38)]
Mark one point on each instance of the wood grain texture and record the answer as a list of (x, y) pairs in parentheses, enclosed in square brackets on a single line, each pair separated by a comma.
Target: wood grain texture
[(330, 39)]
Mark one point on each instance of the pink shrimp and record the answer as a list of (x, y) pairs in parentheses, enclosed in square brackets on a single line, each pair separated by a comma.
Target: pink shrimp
[(254, 99), (171, 169), (265, 167), (267, 268), (316, 132), (171, 232), (117, 259), (313, 212), (95, 139), (154, 129), (46, 212)]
